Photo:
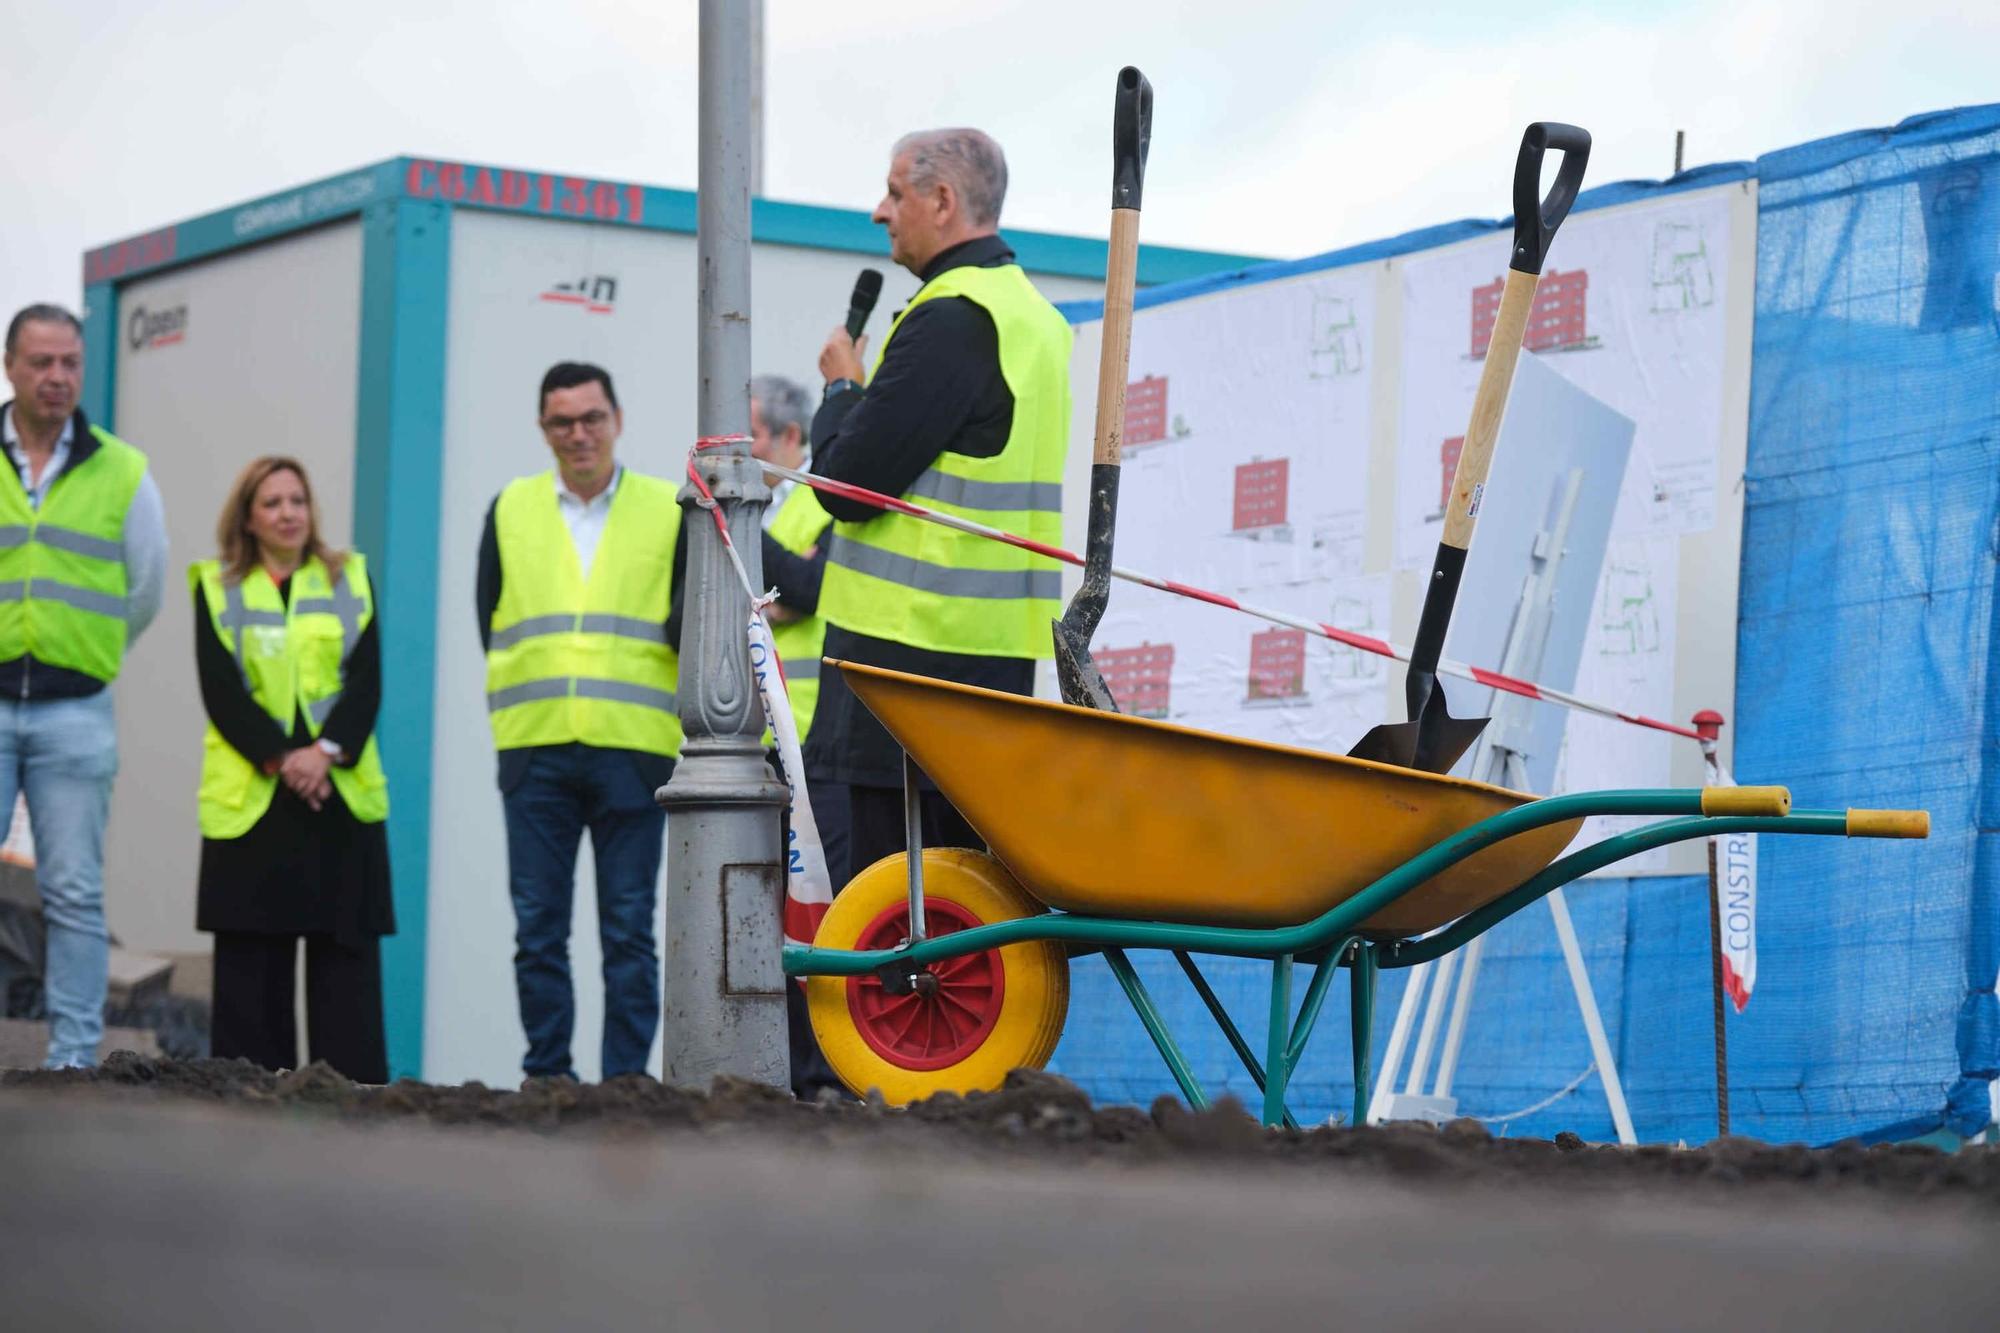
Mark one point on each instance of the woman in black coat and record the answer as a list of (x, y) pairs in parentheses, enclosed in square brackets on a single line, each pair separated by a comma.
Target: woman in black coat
[(294, 845)]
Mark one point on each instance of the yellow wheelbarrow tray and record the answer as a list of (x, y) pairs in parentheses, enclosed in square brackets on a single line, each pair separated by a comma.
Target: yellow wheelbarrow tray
[(1142, 834)]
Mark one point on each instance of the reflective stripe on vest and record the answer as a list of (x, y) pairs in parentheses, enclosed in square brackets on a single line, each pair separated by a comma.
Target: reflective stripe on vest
[(62, 566), (48, 590), (968, 583), (990, 496), (801, 524), (576, 660), (896, 577), (62, 539), (292, 660)]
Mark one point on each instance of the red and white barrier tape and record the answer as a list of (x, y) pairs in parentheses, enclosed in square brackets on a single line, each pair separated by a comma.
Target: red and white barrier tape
[(1365, 642), (808, 887)]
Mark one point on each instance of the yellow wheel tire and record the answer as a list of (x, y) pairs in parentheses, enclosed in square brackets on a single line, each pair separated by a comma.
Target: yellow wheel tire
[(991, 1012)]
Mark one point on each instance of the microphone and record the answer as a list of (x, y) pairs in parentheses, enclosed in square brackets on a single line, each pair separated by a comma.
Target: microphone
[(867, 290)]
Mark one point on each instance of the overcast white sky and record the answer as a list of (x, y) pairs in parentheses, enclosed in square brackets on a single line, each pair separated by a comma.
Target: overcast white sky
[(1280, 128)]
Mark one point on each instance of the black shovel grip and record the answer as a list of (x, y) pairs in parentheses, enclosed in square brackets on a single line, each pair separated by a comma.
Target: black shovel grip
[(1536, 219), (1131, 136)]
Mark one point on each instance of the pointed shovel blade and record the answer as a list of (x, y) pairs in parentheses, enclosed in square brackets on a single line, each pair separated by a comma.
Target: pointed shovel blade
[(1433, 742), (1082, 684)]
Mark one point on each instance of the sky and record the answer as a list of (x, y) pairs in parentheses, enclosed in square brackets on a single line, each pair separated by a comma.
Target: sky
[(1280, 129)]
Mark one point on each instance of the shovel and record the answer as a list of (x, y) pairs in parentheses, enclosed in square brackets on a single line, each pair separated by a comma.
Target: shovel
[(1131, 134), (1432, 740)]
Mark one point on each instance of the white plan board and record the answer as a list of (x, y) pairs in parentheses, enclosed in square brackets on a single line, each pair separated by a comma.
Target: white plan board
[(1630, 309), (1289, 442), (1246, 472)]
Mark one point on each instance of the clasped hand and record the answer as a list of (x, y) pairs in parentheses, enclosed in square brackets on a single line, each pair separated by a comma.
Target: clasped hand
[(304, 770)]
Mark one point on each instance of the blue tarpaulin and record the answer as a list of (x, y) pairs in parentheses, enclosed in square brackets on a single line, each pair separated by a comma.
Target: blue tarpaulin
[(1869, 674)]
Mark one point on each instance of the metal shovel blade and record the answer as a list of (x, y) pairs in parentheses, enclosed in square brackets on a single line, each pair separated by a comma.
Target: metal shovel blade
[(1432, 742), (1081, 682)]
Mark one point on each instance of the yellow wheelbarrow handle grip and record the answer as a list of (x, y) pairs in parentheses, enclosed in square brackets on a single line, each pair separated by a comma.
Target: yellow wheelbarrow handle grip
[(1888, 823), (1746, 801)]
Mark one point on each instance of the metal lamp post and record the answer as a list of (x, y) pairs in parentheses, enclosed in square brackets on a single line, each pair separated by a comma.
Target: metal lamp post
[(724, 1009)]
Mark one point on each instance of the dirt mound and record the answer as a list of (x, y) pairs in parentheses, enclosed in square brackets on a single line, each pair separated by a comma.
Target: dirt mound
[(1040, 1115)]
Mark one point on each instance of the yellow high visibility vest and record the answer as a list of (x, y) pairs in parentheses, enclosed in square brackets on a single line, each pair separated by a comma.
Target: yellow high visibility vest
[(62, 567), (576, 660), (293, 659), (899, 578), (800, 525)]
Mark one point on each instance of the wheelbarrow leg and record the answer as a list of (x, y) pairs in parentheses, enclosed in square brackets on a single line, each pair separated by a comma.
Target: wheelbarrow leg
[(1277, 1054), (1228, 1026), (1302, 1026), (1156, 1027), (1361, 977)]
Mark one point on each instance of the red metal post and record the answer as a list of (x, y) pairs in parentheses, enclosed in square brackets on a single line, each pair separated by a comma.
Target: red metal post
[(1708, 723)]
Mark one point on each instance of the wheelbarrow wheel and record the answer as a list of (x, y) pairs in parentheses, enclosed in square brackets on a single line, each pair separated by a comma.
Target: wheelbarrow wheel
[(983, 1015)]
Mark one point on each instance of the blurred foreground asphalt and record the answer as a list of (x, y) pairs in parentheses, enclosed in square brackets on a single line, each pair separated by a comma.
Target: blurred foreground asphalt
[(169, 1217)]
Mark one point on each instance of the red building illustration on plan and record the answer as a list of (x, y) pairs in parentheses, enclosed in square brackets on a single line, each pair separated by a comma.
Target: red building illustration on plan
[(1140, 678)]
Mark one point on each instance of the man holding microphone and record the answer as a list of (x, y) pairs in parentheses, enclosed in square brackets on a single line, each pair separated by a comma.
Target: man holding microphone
[(967, 411)]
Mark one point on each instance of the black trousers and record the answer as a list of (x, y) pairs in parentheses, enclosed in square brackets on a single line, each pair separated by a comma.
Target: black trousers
[(253, 1015), (810, 1071), (829, 803), (876, 824)]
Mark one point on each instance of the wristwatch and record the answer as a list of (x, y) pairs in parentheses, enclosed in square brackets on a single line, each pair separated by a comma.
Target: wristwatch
[(328, 748), (841, 385)]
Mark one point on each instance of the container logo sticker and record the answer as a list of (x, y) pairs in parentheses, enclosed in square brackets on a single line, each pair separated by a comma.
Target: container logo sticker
[(596, 294), (303, 206), (156, 326)]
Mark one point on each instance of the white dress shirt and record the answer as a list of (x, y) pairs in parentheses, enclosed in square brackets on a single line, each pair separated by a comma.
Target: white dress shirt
[(37, 487), (779, 494), (585, 518)]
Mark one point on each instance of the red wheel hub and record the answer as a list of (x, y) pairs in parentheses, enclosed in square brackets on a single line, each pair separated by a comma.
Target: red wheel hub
[(932, 1027)]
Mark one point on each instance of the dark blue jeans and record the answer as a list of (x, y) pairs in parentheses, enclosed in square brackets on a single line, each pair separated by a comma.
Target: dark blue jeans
[(552, 794)]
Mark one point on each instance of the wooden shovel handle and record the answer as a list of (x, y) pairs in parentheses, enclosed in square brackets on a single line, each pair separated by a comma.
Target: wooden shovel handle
[(1536, 219), (1489, 405), (1131, 140), (1115, 358)]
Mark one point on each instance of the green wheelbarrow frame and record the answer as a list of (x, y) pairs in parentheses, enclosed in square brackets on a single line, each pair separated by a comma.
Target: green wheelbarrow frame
[(1334, 939)]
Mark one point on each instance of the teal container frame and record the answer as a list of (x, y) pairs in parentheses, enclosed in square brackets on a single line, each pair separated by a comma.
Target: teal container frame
[(1336, 938), (405, 206)]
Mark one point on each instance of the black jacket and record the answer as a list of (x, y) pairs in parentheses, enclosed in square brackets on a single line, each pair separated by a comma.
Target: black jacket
[(939, 388)]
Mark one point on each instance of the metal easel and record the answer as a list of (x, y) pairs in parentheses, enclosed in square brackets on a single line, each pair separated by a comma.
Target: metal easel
[(1498, 759)]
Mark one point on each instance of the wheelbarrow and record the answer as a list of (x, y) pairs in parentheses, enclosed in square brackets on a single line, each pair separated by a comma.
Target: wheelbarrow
[(940, 970)]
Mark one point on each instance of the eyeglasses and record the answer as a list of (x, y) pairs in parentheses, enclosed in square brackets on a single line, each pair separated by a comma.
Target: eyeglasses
[(592, 421)]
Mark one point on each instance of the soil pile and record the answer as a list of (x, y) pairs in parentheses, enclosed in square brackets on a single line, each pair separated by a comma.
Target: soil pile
[(1040, 1116)]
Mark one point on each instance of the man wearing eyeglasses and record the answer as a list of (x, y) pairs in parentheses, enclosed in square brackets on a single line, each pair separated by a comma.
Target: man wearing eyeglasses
[(575, 570)]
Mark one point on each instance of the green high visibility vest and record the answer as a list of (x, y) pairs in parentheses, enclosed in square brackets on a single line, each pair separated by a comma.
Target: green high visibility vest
[(293, 659), (62, 567), (800, 524), (576, 660), (899, 578)]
